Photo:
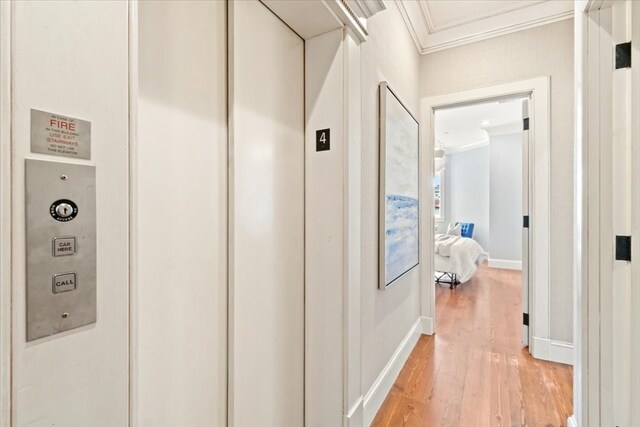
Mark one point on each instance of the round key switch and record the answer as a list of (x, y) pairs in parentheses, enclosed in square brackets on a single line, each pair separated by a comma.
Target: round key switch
[(63, 210)]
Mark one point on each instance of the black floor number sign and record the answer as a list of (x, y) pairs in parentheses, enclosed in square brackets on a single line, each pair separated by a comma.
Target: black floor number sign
[(323, 140)]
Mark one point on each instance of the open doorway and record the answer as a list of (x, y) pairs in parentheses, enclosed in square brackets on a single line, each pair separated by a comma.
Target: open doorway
[(480, 185), (483, 253), (541, 346), (487, 337)]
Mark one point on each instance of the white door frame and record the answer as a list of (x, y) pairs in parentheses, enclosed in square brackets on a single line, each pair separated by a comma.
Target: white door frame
[(595, 86), (5, 213), (541, 346)]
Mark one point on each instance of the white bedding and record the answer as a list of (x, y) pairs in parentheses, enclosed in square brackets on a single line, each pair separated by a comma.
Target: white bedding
[(459, 255)]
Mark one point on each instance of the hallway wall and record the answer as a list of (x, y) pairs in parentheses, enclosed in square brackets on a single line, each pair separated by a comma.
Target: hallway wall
[(544, 50), (324, 230), (180, 216), (387, 315), (72, 59)]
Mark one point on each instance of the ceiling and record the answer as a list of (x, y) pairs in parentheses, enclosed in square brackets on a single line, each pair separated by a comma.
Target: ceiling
[(463, 128), (440, 24)]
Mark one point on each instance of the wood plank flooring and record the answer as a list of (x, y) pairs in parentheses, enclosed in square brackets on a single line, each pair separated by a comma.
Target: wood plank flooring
[(474, 371)]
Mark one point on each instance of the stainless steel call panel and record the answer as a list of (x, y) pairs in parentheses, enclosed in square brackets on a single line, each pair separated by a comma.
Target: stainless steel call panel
[(61, 247)]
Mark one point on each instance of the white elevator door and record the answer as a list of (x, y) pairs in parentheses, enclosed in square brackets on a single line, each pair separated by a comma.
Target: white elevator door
[(267, 219)]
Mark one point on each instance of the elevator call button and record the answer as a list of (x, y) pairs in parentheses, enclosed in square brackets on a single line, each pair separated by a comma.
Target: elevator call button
[(64, 246), (64, 282), (61, 285)]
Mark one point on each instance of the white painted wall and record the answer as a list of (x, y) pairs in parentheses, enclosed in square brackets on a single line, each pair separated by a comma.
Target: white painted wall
[(467, 191), (545, 50), (324, 230), (387, 315), (180, 216), (72, 58), (5, 214), (484, 186), (267, 219), (505, 197), (581, 326)]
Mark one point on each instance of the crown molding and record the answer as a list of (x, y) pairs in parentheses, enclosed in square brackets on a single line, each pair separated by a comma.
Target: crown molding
[(416, 27), (367, 8), (468, 147), (504, 129), (437, 28), (428, 38), (343, 12)]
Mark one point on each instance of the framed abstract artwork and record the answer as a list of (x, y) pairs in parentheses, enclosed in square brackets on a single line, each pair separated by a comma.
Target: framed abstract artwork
[(399, 188)]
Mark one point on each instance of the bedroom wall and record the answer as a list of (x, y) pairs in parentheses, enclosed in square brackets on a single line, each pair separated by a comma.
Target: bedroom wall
[(505, 198), (545, 50), (467, 191), (387, 315)]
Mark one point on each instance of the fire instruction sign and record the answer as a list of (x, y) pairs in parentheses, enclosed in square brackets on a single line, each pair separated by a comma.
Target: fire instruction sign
[(60, 135)]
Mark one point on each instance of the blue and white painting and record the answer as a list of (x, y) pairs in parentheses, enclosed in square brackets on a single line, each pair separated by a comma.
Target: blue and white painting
[(399, 150)]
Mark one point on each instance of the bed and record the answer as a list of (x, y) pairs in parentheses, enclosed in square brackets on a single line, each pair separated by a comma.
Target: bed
[(456, 258)]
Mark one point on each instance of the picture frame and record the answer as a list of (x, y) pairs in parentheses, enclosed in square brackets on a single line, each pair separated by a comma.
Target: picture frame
[(399, 188)]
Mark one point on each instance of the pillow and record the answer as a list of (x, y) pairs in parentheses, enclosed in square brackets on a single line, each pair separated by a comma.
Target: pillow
[(454, 229)]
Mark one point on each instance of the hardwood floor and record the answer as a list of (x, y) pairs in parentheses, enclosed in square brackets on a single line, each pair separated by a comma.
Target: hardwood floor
[(474, 371)]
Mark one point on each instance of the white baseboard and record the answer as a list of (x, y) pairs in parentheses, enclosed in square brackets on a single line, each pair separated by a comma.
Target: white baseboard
[(571, 421), (356, 415), (505, 263), (426, 325), (374, 398), (553, 351)]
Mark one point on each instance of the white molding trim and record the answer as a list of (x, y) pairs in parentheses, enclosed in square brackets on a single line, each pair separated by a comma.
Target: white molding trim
[(352, 292), (134, 95), (468, 147), (367, 8), (427, 325), (540, 104), (553, 351), (430, 38), (344, 13), (506, 264), (5, 215), (416, 27), (374, 398), (504, 129), (571, 421), (457, 23), (355, 416)]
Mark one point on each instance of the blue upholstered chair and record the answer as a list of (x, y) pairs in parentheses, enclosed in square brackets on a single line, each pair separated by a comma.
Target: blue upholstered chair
[(466, 229)]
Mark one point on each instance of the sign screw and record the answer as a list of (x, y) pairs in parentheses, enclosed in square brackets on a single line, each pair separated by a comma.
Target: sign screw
[(63, 177), (65, 315)]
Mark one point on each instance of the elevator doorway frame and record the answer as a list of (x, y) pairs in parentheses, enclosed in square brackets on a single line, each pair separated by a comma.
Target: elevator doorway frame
[(242, 306)]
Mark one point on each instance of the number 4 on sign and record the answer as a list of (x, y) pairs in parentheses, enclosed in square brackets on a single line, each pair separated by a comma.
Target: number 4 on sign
[(323, 140)]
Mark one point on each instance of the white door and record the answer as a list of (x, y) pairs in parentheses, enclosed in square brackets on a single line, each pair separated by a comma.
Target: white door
[(617, 286), (612, 203), (525, 222), (634, 155), (612, 187), (266, 219)]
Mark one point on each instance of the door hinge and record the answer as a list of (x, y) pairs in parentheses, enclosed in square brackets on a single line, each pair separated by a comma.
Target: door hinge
[(623, 55), (525, 319), (525, 123), (623, 248), (525, 221)]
